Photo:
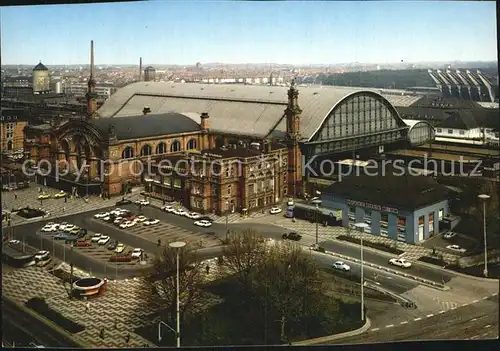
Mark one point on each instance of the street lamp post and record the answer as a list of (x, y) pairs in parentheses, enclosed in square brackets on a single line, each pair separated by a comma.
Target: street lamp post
[(361, 227), (227, 209), (484, 197), (87, 181), (177, 245), (317, 203)]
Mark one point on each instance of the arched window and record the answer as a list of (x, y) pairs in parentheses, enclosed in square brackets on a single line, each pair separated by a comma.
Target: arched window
[(128, 152), (191, 144), (9, 145), (161, 148), (176, 146), (146, 150)]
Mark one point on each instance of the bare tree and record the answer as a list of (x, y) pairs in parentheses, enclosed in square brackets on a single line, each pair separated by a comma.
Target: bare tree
[(287, 280), (163, 280), (492, 208), (243, 253)]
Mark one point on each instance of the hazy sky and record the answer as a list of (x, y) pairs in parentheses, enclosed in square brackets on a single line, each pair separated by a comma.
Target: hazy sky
[(185, 32)]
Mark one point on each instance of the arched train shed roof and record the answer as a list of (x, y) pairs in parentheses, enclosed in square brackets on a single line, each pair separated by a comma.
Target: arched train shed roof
[(234, 109), (420, 132)]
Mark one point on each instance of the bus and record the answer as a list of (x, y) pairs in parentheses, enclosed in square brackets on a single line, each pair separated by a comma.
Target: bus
[(325, 216)]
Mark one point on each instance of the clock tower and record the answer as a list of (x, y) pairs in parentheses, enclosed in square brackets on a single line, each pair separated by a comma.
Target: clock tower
[(91, 94)]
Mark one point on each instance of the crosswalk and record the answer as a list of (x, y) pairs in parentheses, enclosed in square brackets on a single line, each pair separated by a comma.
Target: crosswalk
[(445, 305)]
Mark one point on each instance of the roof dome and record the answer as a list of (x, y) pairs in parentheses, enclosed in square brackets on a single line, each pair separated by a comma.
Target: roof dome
[(40, 67), (149, 68)]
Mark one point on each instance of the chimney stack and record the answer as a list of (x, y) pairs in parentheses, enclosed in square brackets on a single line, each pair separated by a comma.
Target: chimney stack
[(140, 69), (204, 121), (146, 110)]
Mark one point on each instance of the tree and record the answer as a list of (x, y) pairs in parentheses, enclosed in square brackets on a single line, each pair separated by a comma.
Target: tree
[(242, 254), (288, 282), (492, 208), (163, 281)]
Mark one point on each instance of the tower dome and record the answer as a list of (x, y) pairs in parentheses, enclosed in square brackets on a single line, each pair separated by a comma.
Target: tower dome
[(41, 79), (40, 67)]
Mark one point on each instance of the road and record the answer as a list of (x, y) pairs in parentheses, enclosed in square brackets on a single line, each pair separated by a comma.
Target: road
[(393, 283), (474, 321), (271, 231)]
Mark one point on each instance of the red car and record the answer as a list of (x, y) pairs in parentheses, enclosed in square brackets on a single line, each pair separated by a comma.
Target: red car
[(83, 243), (122, 258)]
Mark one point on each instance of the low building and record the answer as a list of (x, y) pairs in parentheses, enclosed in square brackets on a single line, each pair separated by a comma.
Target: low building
[(222, 180), (406, 208)]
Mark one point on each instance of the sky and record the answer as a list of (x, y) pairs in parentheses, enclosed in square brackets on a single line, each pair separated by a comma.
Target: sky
[(186, 32)]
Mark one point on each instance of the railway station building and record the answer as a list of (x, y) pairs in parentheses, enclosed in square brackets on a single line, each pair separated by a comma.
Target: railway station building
[(395, 204), (156, 120)]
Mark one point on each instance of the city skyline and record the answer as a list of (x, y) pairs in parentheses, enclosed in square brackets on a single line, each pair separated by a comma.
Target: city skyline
[(295, 33)]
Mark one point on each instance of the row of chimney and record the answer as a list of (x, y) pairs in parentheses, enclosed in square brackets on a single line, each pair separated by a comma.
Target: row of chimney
[(204, 117)]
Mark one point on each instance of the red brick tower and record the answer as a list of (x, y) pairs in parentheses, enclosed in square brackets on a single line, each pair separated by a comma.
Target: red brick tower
[(293, 137), (91, 94)]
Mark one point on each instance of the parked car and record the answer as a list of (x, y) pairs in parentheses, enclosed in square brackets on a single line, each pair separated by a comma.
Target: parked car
[(292, 236), (449, 235), (103, 240), (63, 225), (193, 215), (96, 237), (83, 243), (69, 227), (43, 196), (123, 202), (151, 221), (121, 258), (456, 248), (119, 248), (167, 208), (400, 262), (101, 215), (49, 228), (206, 218), (142, 202), (75, 231), (341, 266), (112, 245), (275, 210), (136, 253), (60, 194), (140, 218), (62, 236), (203, 223), (179, 212), (14, 242), (42, 255)]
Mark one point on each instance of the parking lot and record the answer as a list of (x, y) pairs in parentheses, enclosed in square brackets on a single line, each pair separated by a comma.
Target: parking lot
[(439, 243), (164, 231), (96, 251)]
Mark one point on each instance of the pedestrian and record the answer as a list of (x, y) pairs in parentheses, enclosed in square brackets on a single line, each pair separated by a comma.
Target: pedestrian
[(101, 334), (64, 209), (207, 269), (15, 196), (87, 307), (116, 323), (127, 338), (65, 199)]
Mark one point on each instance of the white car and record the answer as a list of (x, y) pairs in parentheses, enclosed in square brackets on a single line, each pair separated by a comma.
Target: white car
[(96, 237), (103, 240), (14, 242), (136, 253), (193, 215), (341, 266), (167, 208), (400, 262), (140, 218), (107, 218), (124, 224), (275, 210), (118, 220), (120, 248), (203, 223), (101, 215), (449, 235), (56, 225), (456, 248), (142, 202), (151, 221), (49, 228), (180, 212), (63, 225), (42, 255)]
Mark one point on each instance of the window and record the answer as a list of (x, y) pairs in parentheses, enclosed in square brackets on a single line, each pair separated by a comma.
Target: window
[(146, 150), (9, 145), (176, 146), (229, 188), (421, 221), (161, 148), (167, 180), (191, 145), (441, 214), (439, 130), (177, 183), (462, 132), (450, 131), (128, 152), (251, 188), (402, 221)]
